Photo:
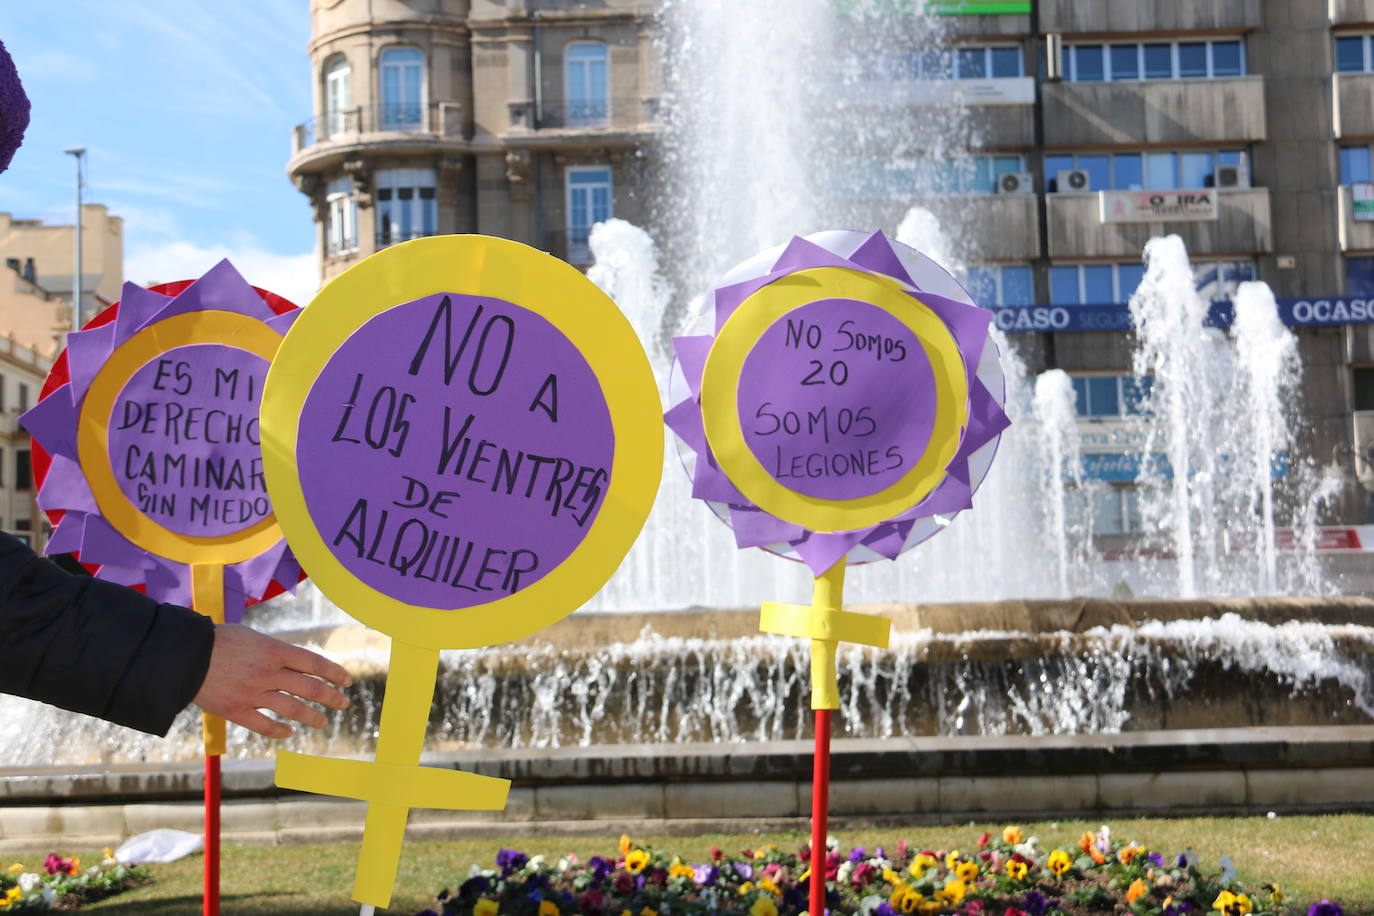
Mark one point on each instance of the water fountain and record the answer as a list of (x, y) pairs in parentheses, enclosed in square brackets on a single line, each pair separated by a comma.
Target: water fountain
[(755, 155)]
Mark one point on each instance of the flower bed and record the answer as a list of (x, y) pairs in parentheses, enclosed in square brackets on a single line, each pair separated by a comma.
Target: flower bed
[(1006, 875), (63, 884)]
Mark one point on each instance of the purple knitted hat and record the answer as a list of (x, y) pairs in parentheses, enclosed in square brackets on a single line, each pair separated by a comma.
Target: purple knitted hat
[(14, 109)]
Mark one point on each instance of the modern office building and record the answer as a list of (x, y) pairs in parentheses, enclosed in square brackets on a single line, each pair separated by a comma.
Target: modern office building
[(1244, 126)]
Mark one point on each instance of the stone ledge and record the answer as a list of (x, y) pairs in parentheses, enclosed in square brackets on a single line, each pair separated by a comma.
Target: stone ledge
[(710, 788)]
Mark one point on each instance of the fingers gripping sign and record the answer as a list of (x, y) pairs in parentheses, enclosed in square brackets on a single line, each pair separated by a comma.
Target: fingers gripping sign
[(461, 441)]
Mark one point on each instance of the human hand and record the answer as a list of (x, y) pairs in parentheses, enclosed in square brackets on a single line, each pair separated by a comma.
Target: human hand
[(250, 671)]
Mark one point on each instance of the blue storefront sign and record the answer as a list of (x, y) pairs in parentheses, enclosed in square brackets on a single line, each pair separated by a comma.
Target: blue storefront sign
[(1326, 311), (1124, 467)]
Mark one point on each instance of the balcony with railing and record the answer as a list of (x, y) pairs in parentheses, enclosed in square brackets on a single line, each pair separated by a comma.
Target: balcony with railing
[(601, 115), (570, 244), (392, 121), (1228, 109), (1353, 105)]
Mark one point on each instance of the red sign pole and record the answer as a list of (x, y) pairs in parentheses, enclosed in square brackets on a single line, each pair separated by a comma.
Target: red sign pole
[(210, 900), (820, 807)]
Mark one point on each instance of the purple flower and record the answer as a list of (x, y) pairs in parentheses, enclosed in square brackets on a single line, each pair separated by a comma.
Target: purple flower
[(1182, 861), (880, 853), (705, 875), (744, 870), (1325, 908), (1035, 903), (884, 909), (473, 887), (1156, 859), (509, 860), (856, 854), (600, 868)]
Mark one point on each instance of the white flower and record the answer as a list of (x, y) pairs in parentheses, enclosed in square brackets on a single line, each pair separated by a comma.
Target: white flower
[(535, 864), (28, 881), (49, 896), (879, 864), (563, 864), (846, 869), (473, 870)]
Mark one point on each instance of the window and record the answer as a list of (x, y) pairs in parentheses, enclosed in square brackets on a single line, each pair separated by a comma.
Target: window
[(965, 62), (405, 205), (1355, 165), (589, 202), (1154, 60), (1111, 395), (1359, 276), (1148, 171), (2, 392), (23, 471), (337, 95), (340, 218), (1115, 509), (1353, 54), (1364, 387), (1007, 284), (586, 84), (1094, 284), (969, 175), (23, 397), (402, 77), (1216, 280)]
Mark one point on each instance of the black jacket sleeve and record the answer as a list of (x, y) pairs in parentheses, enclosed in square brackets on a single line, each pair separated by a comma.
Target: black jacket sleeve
[(95, 647)]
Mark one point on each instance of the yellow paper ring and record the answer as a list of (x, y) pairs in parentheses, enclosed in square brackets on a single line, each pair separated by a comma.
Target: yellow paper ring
[(93, 433), (502, 269), (720, 402)]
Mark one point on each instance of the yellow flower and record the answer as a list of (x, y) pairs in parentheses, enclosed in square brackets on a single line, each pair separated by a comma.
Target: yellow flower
[(763, 906), (1275, 895), (744, 888), (1017, 869), (636, 860), (648, 911), (1137, 890), (930, 907), (768, 884), (1233, 904), (891, 877), (16, 868), (1126, 854), (485, 907), (1011, 836), (921, 863), (548, 908), (680, 871), (1060, 862), (952, 860), (625, 846), (904, 899), (952, 892), (966, 871), (626, 912)]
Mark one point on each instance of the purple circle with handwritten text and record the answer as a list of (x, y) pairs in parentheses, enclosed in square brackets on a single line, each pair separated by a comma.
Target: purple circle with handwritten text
[(837, 399), (184, 441), (454, 450)]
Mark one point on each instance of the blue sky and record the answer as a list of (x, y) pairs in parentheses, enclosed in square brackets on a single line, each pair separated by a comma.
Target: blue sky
[(186, 110)]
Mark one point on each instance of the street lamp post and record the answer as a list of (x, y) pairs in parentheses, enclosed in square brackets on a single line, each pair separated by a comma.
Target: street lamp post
[(79, 152)]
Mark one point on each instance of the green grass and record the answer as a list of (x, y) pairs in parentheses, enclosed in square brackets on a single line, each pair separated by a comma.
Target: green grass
[(1309, 857)]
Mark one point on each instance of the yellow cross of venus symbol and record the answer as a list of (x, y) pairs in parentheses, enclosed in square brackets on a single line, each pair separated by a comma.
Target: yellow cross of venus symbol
[(396, 782), (826, 626)]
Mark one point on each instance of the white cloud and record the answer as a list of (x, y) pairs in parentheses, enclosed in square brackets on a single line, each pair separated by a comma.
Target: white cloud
[(295, 276)]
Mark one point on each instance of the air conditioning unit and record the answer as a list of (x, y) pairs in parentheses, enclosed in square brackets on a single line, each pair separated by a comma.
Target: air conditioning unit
[(1071, 180), (1015, 183), (1227, 176)]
